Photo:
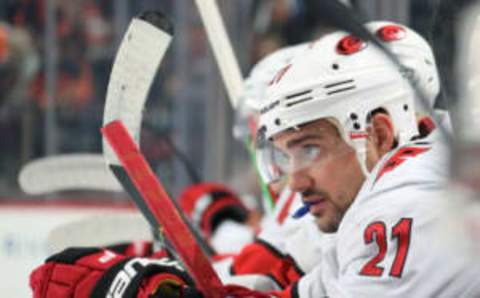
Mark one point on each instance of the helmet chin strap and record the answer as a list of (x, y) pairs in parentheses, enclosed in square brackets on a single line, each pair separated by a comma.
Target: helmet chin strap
[(360, 146)]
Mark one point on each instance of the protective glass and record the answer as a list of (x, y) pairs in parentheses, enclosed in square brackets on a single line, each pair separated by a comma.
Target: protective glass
[(276, 164)]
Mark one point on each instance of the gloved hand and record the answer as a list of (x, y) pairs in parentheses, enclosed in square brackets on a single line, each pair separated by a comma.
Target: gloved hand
[(162, 278), (260, 257), (142, 278), (72, 272), (94, 272)]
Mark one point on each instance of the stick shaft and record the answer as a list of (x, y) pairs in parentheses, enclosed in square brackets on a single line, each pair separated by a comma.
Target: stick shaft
[(163, 209), (222, 49)]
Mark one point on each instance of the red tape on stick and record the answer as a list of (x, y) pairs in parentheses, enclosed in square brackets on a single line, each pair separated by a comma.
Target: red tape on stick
[(163, 209)]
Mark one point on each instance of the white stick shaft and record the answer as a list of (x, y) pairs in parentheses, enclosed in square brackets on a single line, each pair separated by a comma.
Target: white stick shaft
[(222, 49)]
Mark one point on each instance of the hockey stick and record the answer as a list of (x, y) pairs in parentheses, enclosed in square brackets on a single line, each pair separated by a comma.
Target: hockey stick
[(136, 63), (134, 69), (164, 211), (222, 49), (67, 172), (229, 68)]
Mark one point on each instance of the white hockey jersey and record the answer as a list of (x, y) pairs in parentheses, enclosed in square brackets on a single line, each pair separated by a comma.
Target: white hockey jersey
[(389, 243)]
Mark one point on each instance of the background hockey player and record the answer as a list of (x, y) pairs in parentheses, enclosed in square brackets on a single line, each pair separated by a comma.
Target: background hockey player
[(221, 216)]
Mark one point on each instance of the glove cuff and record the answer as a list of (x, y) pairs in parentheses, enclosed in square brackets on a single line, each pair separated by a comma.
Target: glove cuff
[(129, 277)]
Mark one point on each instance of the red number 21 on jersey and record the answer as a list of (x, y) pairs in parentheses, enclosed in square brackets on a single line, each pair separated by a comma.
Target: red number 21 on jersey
[(377, 231)]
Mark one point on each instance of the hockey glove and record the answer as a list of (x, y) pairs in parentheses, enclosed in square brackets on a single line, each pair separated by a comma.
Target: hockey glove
[(72, 272), (142, 278), (263, 258)]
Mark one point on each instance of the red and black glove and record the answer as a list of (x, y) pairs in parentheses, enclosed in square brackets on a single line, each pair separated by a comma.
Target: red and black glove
[(142, 278), (95, 273), (72, 272), (260, 257)]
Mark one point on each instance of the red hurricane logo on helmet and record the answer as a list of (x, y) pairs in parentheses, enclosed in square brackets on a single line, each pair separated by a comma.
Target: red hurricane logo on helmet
[(391, 33), (350, 45)]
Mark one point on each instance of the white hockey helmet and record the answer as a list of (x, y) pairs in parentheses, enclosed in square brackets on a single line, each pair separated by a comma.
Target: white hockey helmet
[(256, 84), (262, 73), (339, 77), (414, 53)]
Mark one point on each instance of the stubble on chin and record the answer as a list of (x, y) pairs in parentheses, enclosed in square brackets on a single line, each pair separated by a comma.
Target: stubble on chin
[(328, 226)]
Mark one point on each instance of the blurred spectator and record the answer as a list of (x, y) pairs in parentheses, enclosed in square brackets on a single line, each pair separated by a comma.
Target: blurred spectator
[(278, 23), (18, 63)]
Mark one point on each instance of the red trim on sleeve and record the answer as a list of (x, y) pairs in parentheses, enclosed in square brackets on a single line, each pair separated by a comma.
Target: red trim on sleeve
[(400, 157), (282, 215)]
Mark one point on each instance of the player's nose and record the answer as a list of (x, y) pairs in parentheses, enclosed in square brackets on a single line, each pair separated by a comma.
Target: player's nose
[(299, 181)]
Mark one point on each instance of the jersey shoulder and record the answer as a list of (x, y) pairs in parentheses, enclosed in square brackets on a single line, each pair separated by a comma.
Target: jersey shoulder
[(409, 182)]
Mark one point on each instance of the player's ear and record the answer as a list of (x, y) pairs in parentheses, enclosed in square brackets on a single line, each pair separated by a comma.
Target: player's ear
[(382, 133)]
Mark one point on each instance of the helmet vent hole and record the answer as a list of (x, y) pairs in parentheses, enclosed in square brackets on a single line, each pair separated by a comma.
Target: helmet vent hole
[(356, 125), (353, 116), (278, 122), (340, 86), (298, 97), (405, 107), (299, 101), (294, 95), (335, 66)]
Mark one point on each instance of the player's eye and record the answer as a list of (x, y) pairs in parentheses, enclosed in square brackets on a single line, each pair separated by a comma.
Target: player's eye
[(310, 152)]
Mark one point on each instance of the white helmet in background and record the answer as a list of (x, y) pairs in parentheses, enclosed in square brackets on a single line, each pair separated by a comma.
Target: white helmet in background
[(257, 82), (414, 53), (263, 71), (339, 78)]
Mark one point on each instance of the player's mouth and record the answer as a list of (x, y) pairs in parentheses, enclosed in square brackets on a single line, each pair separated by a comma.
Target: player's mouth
[(317, 206)]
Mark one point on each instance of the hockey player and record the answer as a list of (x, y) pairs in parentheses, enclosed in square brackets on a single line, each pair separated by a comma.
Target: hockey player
[(280, 237), (341, 124)]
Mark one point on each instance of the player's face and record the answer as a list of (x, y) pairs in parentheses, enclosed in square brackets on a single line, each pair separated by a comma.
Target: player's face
[(331, 179)]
